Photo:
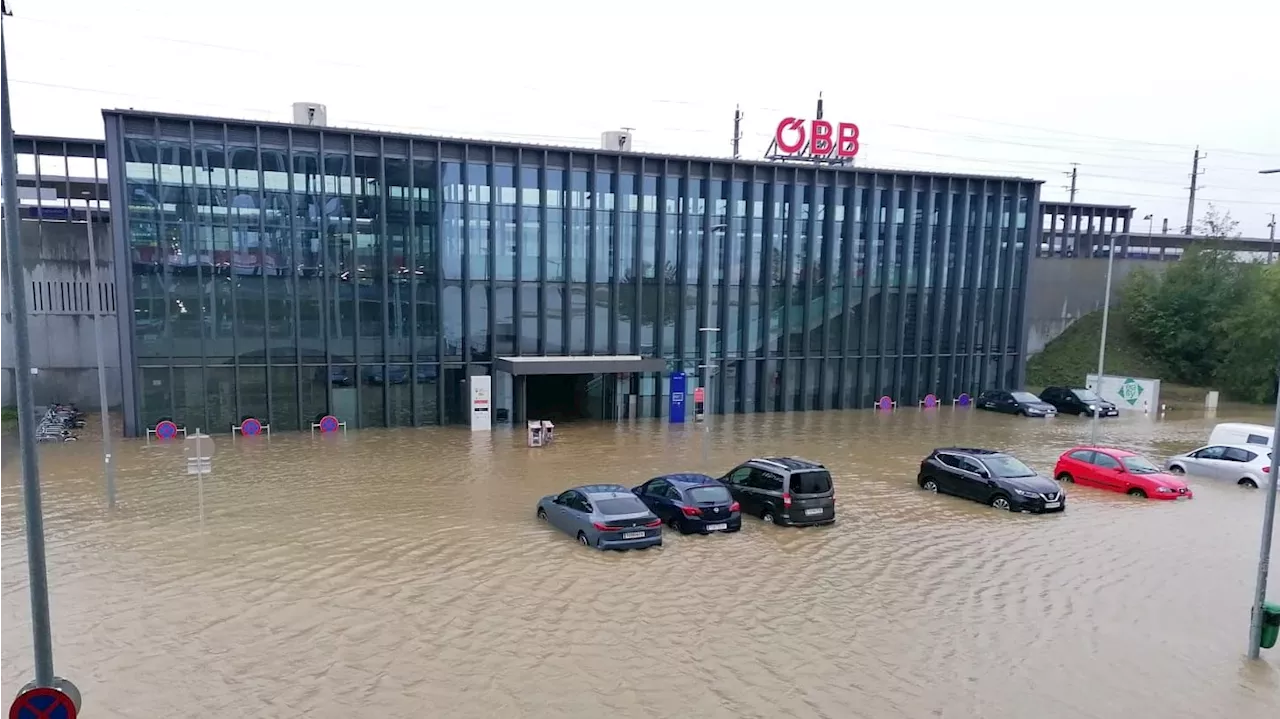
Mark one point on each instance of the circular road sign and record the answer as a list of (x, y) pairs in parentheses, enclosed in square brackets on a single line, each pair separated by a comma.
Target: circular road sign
[(328, 423), (251, 427), (166, 430), (42, 703)]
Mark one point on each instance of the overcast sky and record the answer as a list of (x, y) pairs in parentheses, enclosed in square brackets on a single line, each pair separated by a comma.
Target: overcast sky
[(1126, 89)]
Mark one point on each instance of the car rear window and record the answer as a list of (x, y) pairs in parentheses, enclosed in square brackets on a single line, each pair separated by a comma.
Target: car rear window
[(709, 494), (811, 483), (620, 505)]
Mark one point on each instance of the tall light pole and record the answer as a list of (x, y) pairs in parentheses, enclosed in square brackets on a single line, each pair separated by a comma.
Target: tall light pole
[(1268, 525), (704, 380), (1271, 246), (42, 640), (1102, 341), (108, 471)]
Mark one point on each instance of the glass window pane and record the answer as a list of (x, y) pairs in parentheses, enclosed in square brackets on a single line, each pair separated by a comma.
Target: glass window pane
[(478, 320), (426, 378), (555, 245), (252, 390), (577, 320), (602, 310), (530, 243), (452, 320), (315, 395), (504, 331), (373, 381), (604, 239), (399, 388), (220, 394), (504, 252), (424, 250), (189, 393), (553, 311), (284, 399), (530, 299)]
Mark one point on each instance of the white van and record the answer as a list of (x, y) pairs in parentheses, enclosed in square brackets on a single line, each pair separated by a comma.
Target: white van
[(1242, 433)]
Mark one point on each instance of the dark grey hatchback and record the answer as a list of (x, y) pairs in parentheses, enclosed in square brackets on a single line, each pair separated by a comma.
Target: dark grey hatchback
[(784, 490)]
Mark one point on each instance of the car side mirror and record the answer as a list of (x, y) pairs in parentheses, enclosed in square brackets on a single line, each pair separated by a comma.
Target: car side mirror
[(984, 474)]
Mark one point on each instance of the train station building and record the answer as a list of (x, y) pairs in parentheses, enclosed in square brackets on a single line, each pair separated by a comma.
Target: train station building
[(285, 272)]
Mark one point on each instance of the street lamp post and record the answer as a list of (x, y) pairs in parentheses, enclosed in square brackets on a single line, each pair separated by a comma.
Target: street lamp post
[(1102, 341), (1268, 525), (38, 580), (108, 471), (704, 379)]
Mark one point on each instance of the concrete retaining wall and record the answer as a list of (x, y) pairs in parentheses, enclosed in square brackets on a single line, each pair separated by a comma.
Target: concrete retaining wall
[(62, 300), (1062, 290)]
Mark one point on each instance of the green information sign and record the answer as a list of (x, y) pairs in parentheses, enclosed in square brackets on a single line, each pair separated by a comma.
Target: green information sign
[(1130, 391)]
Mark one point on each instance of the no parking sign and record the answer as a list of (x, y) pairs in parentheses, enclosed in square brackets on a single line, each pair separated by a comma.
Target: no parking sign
[(42, 703)]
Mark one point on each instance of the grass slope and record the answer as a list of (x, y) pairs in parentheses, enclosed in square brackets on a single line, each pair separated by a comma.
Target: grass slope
[(1074, 354)]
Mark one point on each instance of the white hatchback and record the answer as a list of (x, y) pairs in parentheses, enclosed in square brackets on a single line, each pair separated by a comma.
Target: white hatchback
[(1245, 465)]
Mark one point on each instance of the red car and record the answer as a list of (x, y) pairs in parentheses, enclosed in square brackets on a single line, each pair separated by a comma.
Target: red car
[(1118, 471)]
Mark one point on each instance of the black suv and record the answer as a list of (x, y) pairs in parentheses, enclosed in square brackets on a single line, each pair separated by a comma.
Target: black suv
[(1078, 400), (784, 490), (990, 477), (1023, 403)]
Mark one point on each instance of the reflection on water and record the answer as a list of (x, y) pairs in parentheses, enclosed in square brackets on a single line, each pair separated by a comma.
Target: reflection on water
[(402, 573)]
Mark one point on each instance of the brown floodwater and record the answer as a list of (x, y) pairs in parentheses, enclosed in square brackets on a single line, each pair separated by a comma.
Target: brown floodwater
[(402, 573)]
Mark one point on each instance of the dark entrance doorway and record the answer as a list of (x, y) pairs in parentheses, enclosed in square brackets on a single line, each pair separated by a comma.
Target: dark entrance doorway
[(563, 389), (557, 397)]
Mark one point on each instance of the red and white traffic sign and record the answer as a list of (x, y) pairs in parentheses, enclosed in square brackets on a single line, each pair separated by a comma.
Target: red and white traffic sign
[(42, 703)]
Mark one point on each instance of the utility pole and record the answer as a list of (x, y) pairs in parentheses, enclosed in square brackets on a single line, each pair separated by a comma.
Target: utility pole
[(108, 471), (1068, 246), (42, 640), (1191, 199), (1271, 247), (737, 130)]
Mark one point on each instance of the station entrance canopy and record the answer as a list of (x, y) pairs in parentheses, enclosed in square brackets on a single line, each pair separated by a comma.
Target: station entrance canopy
[(599, 364)]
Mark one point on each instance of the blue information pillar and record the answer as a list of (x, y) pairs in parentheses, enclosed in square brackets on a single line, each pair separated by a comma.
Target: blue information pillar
[(677, 397)]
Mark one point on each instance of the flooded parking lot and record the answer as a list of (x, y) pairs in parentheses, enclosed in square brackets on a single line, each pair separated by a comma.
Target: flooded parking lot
[(402, 573)]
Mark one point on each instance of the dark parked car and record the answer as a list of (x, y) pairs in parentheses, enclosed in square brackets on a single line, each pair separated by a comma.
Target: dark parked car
[(691, 503), (1078, 400), (990, 477), (604, 516), (1023, 403), (784, 490)]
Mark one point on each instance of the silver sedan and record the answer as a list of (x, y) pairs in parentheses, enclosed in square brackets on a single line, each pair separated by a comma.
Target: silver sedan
[(1243, 464), (604, 516)]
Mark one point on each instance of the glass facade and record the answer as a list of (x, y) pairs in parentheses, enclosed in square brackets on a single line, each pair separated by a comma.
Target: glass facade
[(286, 272)]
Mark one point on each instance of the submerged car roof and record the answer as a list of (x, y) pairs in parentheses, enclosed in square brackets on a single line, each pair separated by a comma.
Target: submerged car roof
[(793, 464), (603, 491), (689, 479), (975, 451)]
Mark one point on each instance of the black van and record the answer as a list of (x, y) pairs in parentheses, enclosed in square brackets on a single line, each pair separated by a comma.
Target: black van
[(784, 490)]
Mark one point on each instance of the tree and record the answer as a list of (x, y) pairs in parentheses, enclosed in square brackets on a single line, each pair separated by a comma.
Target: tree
[(1179, 315), (1215, 225), (1249, 365)]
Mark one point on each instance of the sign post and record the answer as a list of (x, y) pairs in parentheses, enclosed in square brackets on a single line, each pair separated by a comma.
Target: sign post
[(481, 403), (38, 580), (676, 409), (199, 448)]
